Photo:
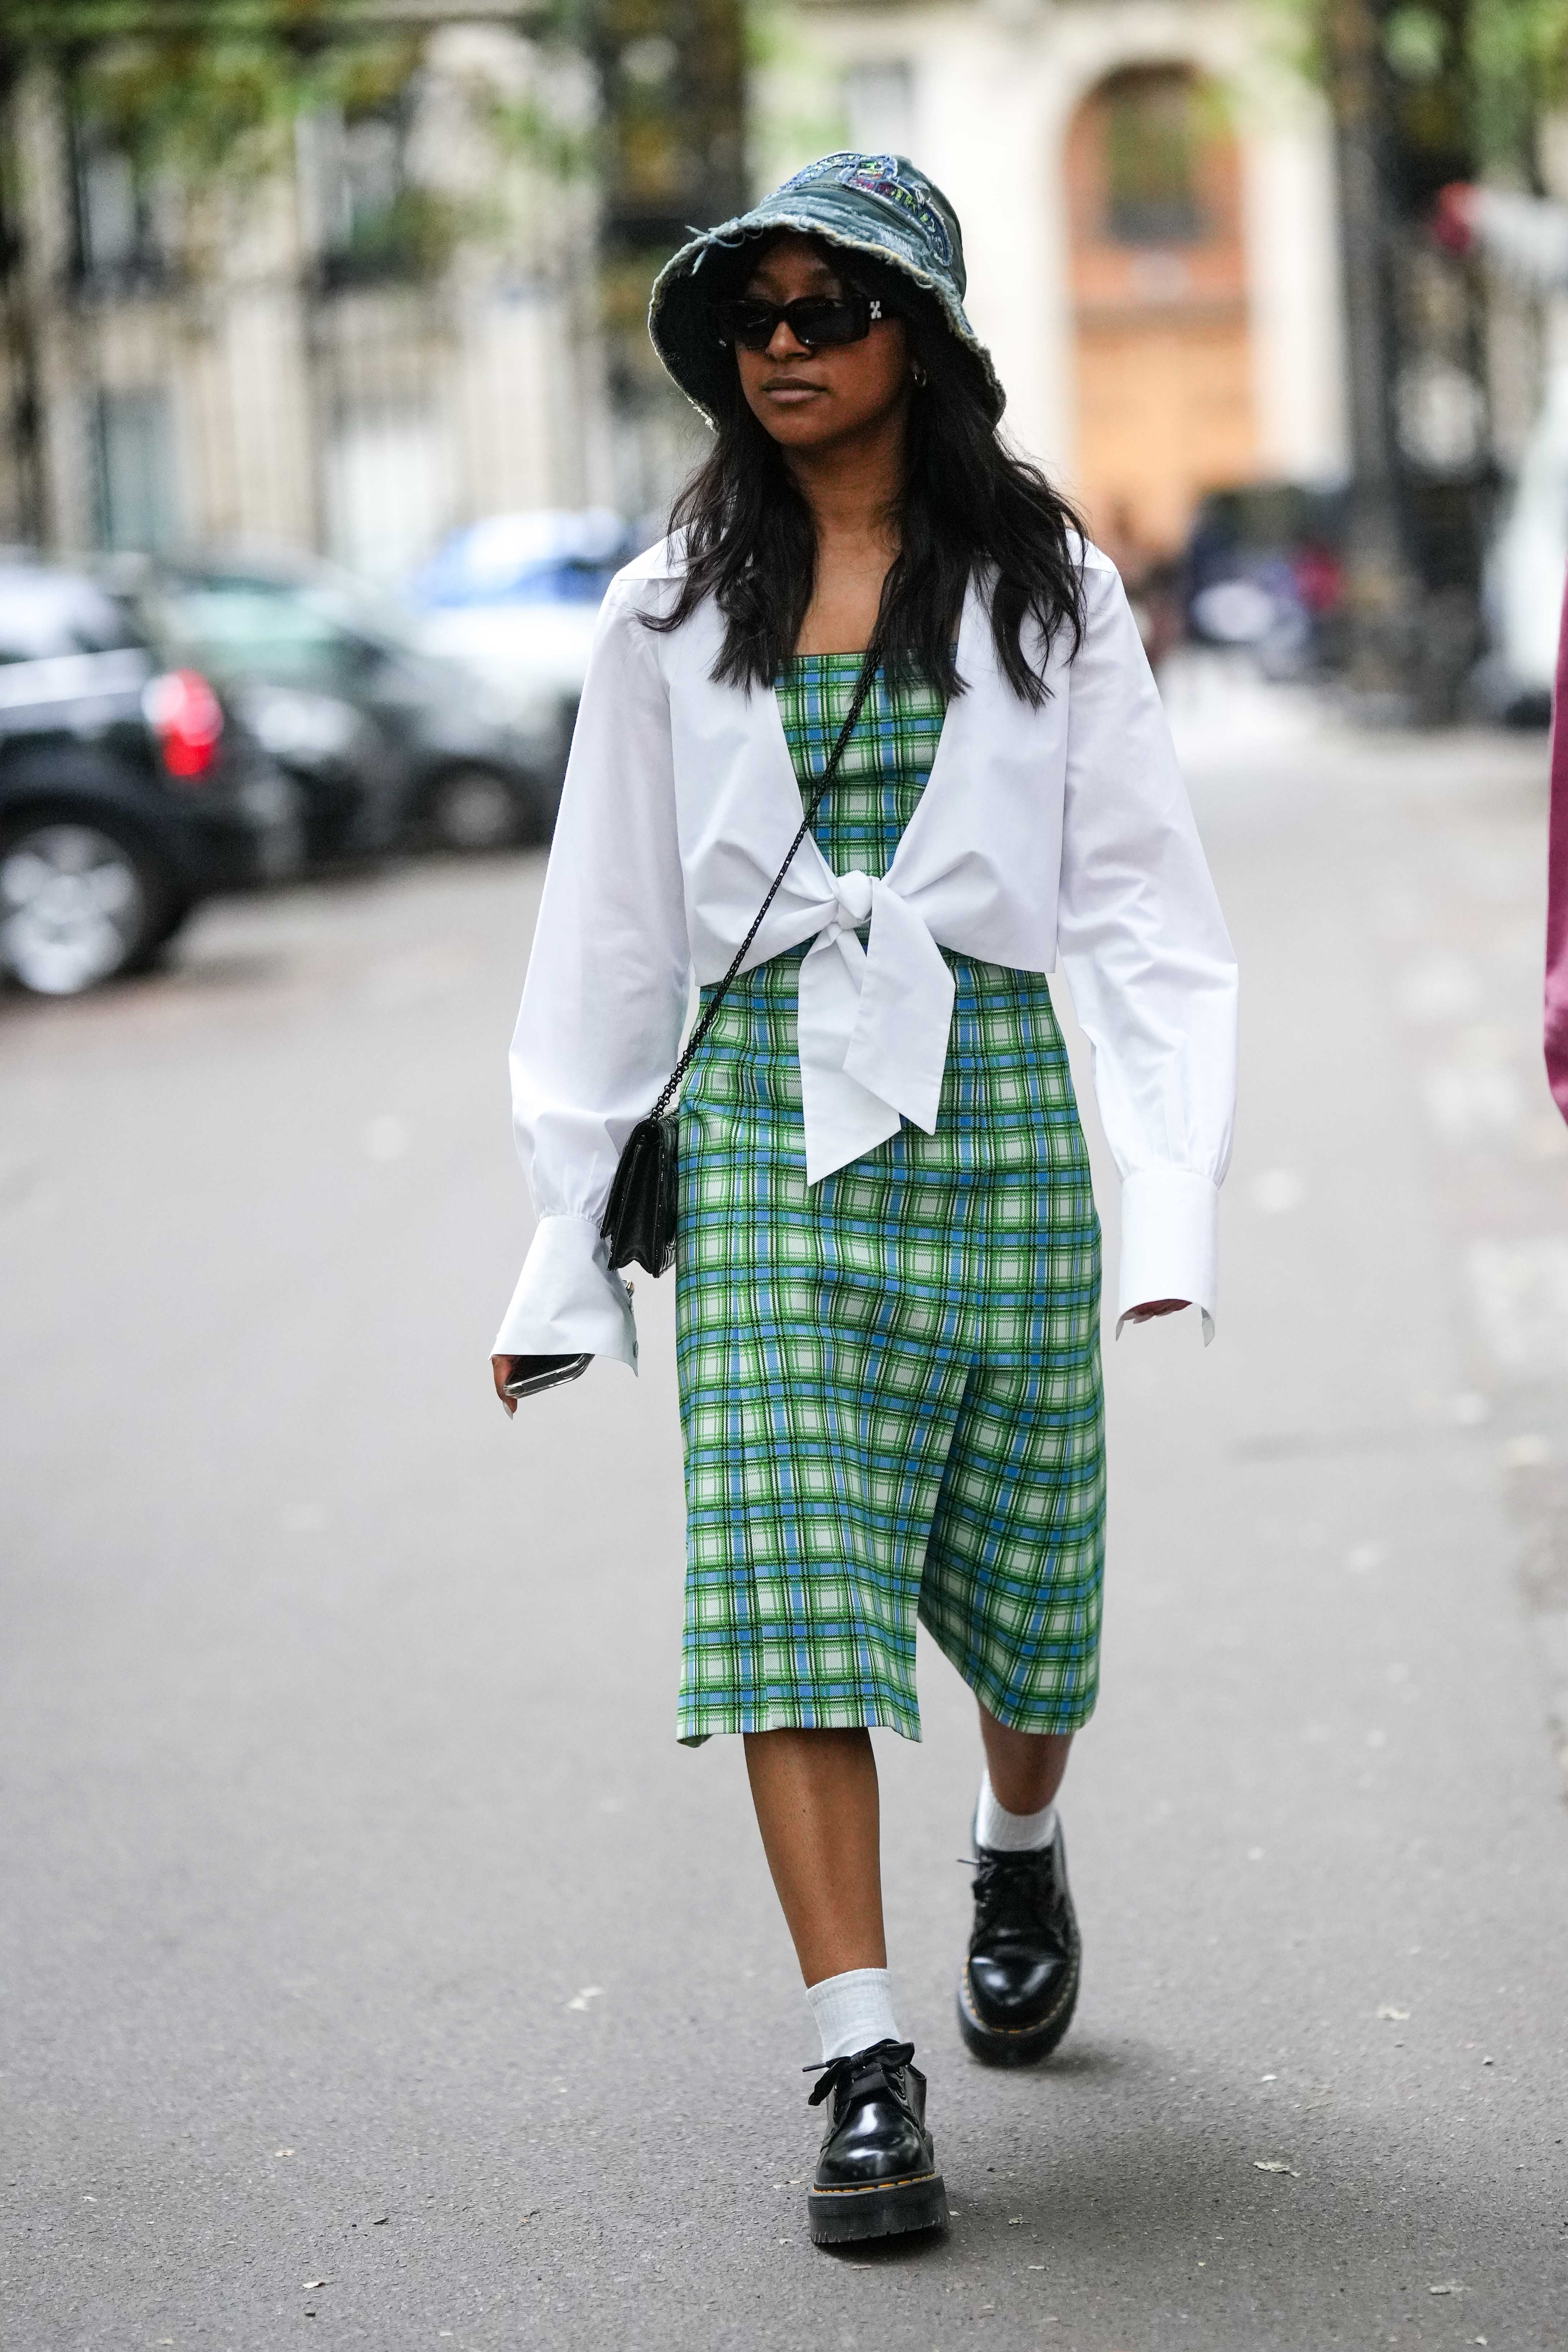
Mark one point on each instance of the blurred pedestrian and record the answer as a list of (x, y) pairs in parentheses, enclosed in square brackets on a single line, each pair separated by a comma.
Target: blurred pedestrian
[(888, 1284), (1527, 237), (1152, 579), (1557, 884)]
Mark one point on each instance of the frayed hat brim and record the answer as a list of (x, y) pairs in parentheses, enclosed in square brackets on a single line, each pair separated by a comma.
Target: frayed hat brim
[(681, 311)]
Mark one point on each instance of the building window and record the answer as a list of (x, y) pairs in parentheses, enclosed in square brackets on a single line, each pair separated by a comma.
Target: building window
[(879, 100), (370, 213), (1154, 146), (119, 232), (370, 181), (137, 504)]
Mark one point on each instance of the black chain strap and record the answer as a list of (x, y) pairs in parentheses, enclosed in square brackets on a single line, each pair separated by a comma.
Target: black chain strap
[(862, 689)]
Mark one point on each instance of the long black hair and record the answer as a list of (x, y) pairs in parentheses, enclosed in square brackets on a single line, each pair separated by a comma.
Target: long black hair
[(968, 501)]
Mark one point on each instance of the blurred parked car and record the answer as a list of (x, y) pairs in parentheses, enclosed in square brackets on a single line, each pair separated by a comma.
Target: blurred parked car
[(386, 737), (518, 597), (1267, 568), (128, 791), (1263, 569)]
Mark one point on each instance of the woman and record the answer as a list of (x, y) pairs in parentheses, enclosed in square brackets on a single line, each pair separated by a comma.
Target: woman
[(888, 1272)]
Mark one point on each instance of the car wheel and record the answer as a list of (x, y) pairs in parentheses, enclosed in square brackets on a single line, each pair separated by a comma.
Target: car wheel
[(77, 906), (473, 808)]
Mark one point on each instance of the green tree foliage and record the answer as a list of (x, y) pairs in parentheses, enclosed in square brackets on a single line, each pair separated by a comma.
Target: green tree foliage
[(206, 99), (1469, 78), (1519, 68), (223, 105)]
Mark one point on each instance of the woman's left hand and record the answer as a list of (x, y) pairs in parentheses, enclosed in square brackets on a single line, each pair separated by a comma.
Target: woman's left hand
[(1152, 1306)]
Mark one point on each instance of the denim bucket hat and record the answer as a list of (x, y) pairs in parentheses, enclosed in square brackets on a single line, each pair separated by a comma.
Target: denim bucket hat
[(876, 205)]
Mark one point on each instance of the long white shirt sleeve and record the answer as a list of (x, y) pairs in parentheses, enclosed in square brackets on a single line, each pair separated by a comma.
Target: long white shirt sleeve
[(1067, 825), (604, 999), (1151, 968)]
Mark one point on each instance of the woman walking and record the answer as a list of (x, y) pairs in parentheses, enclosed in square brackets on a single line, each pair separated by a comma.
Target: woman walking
[(887, 1285)]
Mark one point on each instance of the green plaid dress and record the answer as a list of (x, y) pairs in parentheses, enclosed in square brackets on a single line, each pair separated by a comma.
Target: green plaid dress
[(890, 1382)]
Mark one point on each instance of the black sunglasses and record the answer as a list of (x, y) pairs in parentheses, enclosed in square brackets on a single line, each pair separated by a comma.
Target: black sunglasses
[(817, 320)]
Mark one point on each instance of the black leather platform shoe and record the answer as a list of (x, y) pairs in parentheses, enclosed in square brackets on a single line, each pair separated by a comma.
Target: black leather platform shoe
[(876, 2175), (1020, 1986)]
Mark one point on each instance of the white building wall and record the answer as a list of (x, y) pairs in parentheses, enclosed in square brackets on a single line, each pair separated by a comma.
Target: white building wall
[(1291, 213), (368, 421), (992, 90)]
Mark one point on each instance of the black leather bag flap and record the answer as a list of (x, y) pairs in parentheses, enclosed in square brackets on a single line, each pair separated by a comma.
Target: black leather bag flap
[(639, 1219)]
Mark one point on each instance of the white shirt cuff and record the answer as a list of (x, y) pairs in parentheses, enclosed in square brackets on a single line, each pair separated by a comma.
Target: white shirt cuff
[(1170, 1241), (569, 1300)]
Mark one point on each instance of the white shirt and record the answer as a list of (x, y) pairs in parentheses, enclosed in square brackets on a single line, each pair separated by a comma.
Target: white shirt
[(1064, 831)]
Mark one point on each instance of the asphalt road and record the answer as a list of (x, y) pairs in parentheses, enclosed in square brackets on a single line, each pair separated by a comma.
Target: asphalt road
[(375, 1969)]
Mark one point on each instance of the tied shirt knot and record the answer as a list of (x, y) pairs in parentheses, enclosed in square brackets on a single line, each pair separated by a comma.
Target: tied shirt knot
[(873, 1024)]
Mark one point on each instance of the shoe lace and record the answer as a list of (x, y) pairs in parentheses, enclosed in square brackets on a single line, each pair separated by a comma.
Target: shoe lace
[(838, 2074), (1012, 1891)]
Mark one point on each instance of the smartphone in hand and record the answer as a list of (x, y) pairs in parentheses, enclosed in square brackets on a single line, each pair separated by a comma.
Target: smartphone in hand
[(533, 1374)]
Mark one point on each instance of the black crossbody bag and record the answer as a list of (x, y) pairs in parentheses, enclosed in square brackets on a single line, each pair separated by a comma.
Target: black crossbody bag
[(639, 1218)]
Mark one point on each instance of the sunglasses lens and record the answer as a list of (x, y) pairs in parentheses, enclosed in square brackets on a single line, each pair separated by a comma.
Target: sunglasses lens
[(827, 323), (819, 321), (750, 323)]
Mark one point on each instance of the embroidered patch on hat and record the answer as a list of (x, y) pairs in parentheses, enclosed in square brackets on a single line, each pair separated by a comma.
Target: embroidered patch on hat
[(879, 175)]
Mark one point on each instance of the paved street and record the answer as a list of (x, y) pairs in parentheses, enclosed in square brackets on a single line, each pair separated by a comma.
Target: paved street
[(376, 1971)]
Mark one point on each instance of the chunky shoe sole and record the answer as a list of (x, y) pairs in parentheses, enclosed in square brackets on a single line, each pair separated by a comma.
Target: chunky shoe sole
[(886, 2208), (1019, 2045)]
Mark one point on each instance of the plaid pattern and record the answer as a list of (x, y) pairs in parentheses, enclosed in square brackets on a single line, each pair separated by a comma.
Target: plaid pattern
[(890, 1382)]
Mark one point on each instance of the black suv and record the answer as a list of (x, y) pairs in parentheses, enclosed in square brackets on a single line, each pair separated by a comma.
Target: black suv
[(128, 793)]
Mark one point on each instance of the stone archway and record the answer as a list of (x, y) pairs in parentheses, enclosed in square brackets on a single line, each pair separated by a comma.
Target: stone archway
[(1161, 336)]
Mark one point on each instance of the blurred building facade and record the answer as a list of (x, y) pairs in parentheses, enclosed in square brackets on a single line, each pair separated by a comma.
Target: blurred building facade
[(1149, 205), (429, 308), (393, 330), (1151, 225)]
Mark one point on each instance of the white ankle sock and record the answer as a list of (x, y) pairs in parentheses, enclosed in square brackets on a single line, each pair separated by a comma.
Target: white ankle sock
[(854, 2010), (1006, 1833)]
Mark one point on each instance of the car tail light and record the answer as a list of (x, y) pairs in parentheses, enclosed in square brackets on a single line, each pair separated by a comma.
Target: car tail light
[(187, 718)]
